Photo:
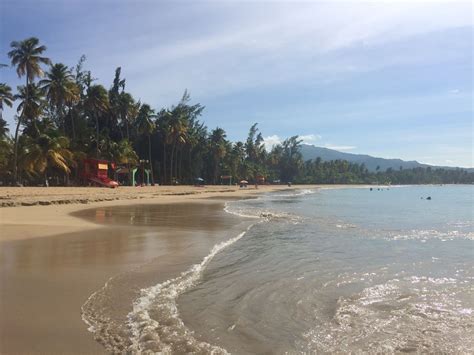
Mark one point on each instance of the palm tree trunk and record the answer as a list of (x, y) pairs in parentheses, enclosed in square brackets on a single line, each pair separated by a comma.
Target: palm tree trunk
[(163, 178), (215, 172), (176, 163), (97, 136), (179, 165), (190, 169), (121, 132), (151, 163), (73, 125), (15, 152), (27, 98), (173, 148)]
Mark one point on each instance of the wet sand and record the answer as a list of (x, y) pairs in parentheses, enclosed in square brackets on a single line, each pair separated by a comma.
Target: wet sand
[(45, 281), (33, 196), (53, 256)]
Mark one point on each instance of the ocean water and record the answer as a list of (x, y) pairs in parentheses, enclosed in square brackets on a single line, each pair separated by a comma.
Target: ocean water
[(343, 270), (322, 271)]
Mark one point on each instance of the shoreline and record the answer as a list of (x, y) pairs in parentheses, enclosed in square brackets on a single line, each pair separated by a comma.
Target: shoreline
[(86, 196), (32, 212), (52, 261), (46, 279), (42, 196), (40, 219), (61, 259)]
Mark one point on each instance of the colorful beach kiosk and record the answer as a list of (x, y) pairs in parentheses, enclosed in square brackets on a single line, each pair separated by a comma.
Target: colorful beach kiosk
[(226, 179), (95, 172), (129, 176)]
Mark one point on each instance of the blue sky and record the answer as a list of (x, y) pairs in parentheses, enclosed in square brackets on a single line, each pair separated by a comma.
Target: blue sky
[(392, 79)]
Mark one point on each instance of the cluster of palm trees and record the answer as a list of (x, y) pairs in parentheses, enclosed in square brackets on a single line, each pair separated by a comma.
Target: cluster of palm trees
[(64, 116)]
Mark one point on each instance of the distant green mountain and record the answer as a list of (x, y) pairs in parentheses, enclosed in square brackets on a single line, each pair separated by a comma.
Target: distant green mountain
[(313, 152)]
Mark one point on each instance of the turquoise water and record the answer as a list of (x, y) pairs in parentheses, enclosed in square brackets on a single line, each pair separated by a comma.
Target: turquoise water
[(342, 270)]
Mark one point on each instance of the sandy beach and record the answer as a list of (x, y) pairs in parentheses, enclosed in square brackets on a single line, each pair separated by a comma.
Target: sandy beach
[(60, 245)]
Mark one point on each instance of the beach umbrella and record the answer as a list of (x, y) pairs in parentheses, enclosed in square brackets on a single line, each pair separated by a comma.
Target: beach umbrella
[(244, 182), (199, 179)]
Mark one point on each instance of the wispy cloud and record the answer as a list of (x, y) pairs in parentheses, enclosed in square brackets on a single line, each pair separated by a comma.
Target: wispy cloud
[(340, 147), (319, 40), (271, 141), (310, 138), (310, 66)]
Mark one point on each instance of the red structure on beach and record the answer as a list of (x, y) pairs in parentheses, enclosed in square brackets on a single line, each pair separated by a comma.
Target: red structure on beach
[(95, 171)]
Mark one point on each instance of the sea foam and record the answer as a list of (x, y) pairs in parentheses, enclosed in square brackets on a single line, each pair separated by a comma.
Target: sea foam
[(154, 322)]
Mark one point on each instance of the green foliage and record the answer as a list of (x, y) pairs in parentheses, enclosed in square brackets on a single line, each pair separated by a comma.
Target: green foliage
[(6, 97), (47, 151), (68, 117), (26, 56)]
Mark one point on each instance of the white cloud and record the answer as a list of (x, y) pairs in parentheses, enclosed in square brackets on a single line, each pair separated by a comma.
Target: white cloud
[(340, 147), (271, 141), (298, 42), (310, 138)]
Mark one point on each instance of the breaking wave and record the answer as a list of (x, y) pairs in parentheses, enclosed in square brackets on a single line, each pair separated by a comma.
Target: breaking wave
[(154, 321), (301, 192), (261, 213)]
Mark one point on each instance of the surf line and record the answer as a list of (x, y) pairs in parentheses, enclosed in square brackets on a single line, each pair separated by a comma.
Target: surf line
[(163, 298)]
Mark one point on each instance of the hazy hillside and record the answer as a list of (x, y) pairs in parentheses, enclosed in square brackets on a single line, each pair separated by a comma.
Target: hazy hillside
[(312, 152)]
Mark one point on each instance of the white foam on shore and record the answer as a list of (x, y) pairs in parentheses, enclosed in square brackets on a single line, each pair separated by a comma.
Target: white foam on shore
[(239, 212), (301, 192), (164, 331), (264, 214)]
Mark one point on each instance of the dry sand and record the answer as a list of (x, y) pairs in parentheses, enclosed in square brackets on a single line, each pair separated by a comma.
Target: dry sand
[(30, 212), (51, 260)]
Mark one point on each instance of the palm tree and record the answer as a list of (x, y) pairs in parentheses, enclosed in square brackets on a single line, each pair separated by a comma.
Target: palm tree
[(31, 102), (196, 145), (178, 126), (6, 97), (97, 103), (127, 111), (6, 150), (26, 56), (60, 89), (163, 127), (122, 152), (147, 126), (3, 128), (46, 150), (218, 145)]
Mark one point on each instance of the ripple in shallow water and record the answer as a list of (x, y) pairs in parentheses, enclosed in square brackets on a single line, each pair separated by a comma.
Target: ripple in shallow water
[(410, 314)]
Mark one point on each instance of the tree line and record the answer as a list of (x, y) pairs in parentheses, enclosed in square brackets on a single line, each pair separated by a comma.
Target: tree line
[(64, 115)]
